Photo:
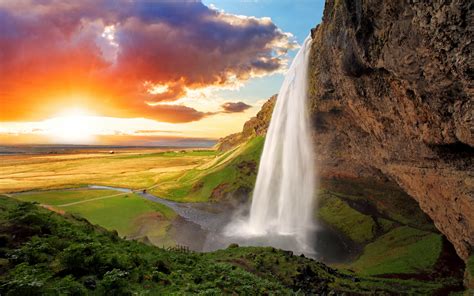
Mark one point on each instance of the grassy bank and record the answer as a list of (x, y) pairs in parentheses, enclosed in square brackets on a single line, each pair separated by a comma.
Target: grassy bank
[(42, 252), (129, 214), (230, 172)]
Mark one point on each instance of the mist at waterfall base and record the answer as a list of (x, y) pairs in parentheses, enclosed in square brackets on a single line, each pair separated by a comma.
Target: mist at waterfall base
[(282, 209)]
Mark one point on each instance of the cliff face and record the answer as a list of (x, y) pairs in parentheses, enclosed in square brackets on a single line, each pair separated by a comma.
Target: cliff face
[(391, 92), (255, 126)]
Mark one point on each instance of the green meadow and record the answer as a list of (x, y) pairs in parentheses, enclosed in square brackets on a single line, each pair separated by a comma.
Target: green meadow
[(130, 169), (127, 213), (403, 242), (395, 237)]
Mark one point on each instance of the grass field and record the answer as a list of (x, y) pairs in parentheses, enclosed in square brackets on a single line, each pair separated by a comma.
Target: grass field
[(395, 235), (357, 226), (402, 250), (131, 170), (228, 172), (186, 175), (129, 214)]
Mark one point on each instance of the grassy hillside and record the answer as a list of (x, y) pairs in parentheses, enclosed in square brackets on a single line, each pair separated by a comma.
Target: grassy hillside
[(44, 253), (129, 214), (233, 171)]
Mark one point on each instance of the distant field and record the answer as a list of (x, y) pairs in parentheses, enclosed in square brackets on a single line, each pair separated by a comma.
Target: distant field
[(57, 181), (131, 170), (183, 175), (131, 215)]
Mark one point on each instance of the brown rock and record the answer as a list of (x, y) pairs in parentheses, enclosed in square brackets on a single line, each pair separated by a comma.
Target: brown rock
[(391, 93), (256, 126)]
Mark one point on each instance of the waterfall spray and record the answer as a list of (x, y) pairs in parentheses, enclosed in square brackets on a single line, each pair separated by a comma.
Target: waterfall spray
[(282, 202)]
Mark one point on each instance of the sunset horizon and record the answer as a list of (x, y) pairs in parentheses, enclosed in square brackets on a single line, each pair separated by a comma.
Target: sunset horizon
[(135, 73), (236, 147)]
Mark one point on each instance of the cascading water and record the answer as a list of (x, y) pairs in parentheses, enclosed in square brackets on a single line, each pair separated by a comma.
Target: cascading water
[(282, 203)]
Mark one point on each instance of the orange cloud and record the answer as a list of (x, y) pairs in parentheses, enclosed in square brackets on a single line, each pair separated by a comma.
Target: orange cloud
[(111, 56)]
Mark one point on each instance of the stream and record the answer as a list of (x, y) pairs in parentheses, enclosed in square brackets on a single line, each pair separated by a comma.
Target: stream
[(200, 226)]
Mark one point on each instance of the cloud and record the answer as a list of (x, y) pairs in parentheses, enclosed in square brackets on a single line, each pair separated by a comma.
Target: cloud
[(118, 53), (231, 107), (174, 113)]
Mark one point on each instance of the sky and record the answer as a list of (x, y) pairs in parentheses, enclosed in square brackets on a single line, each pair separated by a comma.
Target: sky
[(142, 72)]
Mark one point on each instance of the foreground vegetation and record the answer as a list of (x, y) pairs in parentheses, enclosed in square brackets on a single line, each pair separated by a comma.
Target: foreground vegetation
[(42, 252), (127, 213)]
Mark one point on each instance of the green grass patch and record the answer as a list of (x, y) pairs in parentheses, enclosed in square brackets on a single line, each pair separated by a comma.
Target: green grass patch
[(126, 213), (337, 213), (118, 213), (470, 265), (230, 172), (283, 266), (404, 250), (60, 197), (388, 199), (385, 224), (469, 274)]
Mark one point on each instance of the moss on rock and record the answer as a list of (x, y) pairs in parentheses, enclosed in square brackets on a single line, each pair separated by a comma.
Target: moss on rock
[(404, 250), (469, 274), (337, 213)]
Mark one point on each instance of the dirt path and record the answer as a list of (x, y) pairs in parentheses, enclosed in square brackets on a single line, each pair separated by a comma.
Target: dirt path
[(88, 200)]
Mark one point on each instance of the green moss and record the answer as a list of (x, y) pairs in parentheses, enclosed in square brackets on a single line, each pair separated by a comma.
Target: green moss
[(389, 200), (470, 265), (385, 225), (404, 250), (337, 213), (469, 273)]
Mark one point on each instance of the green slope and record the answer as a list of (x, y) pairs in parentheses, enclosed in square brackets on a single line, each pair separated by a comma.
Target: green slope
[(44, 253), (229, 172)]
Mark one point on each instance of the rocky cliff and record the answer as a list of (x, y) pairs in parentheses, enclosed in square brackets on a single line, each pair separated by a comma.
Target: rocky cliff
[(391, 92), (256, 126)]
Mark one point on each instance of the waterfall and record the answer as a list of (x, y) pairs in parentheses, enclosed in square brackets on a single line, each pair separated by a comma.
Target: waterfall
[(282, 202)]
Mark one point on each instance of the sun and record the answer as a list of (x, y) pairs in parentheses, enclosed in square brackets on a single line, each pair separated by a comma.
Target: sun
[(72, 126)]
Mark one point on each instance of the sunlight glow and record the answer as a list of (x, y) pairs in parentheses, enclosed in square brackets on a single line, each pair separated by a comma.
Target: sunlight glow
[(73, 126)]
